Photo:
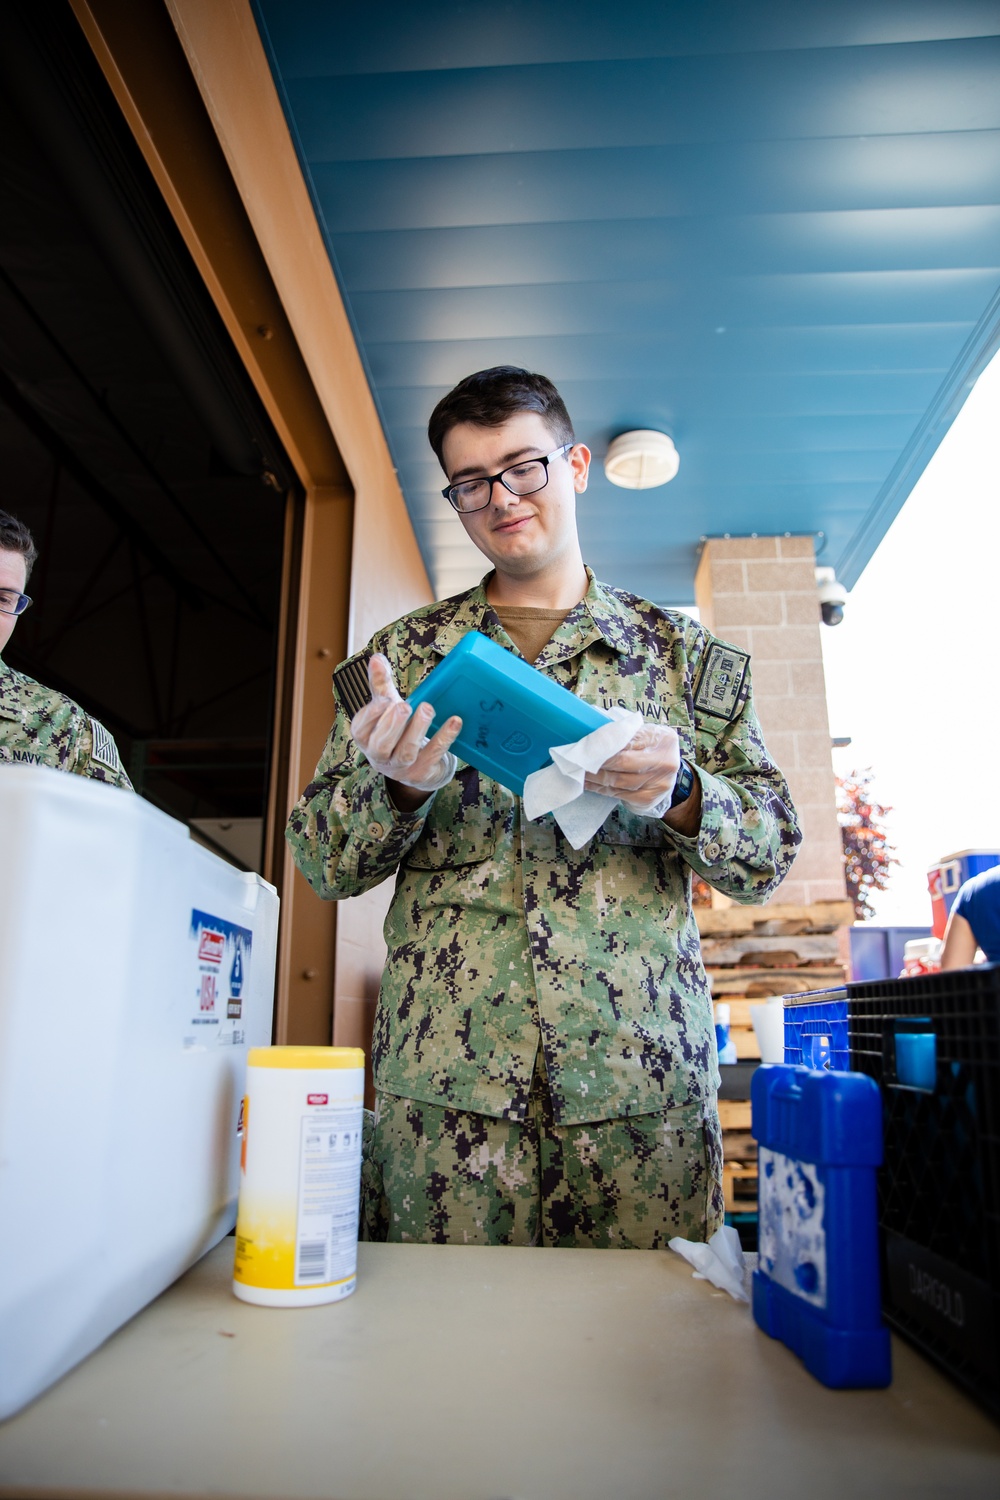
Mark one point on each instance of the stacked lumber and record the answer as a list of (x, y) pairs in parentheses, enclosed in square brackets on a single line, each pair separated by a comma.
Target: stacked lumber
[(753, 952), (749, 954), (739, 1168)]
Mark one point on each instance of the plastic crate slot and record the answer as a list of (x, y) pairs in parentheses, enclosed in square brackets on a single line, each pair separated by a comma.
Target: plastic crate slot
[(816, 1049), (816, 1030)]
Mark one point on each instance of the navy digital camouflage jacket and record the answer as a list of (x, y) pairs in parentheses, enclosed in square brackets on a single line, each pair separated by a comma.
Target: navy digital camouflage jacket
[(501, 936), (40, 727)]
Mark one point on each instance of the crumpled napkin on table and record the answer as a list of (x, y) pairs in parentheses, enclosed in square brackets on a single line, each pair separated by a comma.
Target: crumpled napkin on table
[(558, 788), (720, 1261)]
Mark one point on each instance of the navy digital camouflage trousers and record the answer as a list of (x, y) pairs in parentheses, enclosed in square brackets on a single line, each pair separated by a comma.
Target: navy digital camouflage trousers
[(434, 1175)]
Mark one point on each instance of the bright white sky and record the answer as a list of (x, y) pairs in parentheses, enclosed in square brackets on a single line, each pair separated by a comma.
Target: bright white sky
[(910, 673)]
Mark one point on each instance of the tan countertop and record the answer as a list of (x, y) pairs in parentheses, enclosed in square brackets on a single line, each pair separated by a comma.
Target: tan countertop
[(479, 1374)]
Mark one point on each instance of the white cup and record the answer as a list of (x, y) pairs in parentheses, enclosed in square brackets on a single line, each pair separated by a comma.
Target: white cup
[(769, 1025)]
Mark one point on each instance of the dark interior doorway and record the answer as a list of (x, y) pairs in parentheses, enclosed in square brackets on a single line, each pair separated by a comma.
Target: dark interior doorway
[(134, 446)]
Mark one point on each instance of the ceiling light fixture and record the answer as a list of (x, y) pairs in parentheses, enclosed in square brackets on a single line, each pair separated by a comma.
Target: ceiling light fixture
[(641, 460)]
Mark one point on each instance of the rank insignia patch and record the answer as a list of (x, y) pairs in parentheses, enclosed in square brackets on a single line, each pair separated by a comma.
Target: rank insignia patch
[(720, 682), (350, 685)]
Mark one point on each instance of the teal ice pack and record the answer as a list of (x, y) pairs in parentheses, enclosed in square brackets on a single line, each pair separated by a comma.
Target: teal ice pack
[(511, 713)]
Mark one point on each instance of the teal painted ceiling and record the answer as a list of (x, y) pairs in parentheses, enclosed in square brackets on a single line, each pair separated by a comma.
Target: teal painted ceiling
[(771, 230)]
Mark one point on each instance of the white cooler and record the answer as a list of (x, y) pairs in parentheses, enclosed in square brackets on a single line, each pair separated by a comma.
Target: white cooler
[(136, 969)]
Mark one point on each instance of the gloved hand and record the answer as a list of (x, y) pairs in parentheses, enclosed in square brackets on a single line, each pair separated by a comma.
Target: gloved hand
[(392, 735), (643, 774)]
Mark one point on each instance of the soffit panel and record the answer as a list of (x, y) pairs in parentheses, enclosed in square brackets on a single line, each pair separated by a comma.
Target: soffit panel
[(774, 233)]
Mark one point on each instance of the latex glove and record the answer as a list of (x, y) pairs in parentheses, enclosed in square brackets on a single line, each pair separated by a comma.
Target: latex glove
[(393, 739), (643, 774)]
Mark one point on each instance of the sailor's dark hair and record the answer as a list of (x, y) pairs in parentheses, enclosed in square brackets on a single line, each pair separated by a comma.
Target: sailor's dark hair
[(489, 397), (15, 537)]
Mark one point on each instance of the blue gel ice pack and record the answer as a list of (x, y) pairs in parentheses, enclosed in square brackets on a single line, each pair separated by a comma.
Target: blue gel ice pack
[(511, 713), (819, 1138)]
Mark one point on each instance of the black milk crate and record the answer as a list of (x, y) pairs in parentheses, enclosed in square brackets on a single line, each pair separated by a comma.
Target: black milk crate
[(939, 1190)]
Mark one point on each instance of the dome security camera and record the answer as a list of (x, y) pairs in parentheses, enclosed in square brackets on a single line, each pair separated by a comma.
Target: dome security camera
[(832, 596)]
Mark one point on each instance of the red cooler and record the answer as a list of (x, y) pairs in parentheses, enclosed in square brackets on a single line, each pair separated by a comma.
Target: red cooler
[(951, 872)]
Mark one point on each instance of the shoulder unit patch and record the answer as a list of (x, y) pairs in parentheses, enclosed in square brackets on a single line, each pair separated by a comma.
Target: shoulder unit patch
[(720, 682)]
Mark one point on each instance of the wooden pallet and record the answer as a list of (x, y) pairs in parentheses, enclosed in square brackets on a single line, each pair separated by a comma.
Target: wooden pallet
[(739, 1187), (739, 1152), (734, 1114), (775, 920), (749, 954)]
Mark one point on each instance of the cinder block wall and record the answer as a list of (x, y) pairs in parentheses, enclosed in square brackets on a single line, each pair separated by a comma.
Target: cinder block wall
[(759, 593)]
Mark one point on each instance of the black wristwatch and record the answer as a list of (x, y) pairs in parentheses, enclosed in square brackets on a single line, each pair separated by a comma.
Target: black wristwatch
[(683, 785)]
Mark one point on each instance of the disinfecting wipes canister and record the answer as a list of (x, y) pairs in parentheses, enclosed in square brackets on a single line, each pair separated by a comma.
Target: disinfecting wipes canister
[(297, 1225)]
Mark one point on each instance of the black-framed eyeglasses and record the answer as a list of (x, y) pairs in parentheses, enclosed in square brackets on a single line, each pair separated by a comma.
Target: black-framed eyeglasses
[(524, 478), (13, 604)]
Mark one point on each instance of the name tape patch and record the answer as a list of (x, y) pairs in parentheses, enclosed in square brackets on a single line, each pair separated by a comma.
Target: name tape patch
[(720, 682), (350, 685)]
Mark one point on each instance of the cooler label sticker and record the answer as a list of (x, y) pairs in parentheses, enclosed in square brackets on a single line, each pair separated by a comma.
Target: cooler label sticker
[(721, 680), (214, 1016), (792, 1239)]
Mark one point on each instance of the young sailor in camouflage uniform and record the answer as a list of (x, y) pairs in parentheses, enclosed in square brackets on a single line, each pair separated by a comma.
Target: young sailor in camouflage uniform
[(39, 726), (544, 1047)]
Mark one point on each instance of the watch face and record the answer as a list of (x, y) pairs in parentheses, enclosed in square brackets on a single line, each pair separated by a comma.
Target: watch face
[(683, 784)]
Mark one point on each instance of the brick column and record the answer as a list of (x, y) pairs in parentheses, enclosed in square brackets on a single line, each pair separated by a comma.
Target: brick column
[(759, 593)]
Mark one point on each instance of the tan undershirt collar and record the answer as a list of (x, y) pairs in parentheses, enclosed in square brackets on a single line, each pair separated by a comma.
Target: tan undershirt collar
[(530, 629)]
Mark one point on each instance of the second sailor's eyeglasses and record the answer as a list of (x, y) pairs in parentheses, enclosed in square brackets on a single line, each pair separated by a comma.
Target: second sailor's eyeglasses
[(13, 604), (524, 478)]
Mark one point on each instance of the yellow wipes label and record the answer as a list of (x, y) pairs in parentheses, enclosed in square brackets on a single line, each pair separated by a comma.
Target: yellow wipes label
[(297, 1225), (265, 1251)]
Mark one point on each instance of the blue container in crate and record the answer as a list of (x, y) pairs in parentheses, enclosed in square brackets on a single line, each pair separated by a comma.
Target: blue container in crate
[(816, 1030), (819, 1138)]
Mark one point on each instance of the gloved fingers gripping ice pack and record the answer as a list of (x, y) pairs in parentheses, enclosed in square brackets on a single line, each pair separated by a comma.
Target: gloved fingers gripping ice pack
[(511, 713)]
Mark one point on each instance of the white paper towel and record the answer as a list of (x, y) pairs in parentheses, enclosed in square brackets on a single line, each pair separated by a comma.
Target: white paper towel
[(558, 788), (720, 1261)]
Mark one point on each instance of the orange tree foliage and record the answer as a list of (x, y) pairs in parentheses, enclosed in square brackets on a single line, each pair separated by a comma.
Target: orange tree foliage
[(868, 855)]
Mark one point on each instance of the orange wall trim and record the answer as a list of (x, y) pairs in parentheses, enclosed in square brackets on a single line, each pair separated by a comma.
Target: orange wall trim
[(138, 50), (193, 82), (228, 61), (307, 958)]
